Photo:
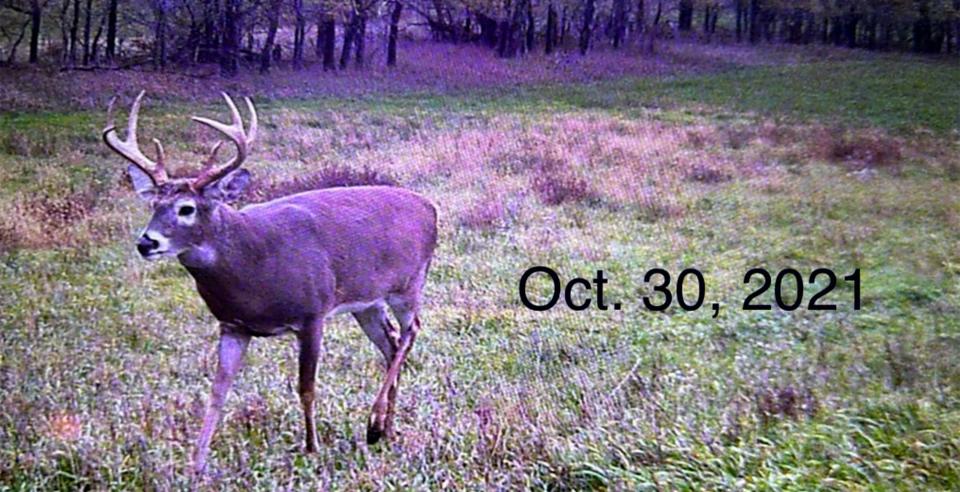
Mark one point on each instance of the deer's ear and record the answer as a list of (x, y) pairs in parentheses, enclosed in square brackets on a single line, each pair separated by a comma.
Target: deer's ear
[(229, 187), (142, 182)]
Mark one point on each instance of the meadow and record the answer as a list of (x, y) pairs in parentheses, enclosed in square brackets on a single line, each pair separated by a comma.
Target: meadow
[(723, 161)]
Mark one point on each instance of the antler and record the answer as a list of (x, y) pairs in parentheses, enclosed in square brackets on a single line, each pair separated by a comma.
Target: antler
[(236, 133), (129, 149)]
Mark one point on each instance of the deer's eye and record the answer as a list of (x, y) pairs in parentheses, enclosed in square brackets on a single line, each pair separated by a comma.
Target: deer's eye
[(186, 210)]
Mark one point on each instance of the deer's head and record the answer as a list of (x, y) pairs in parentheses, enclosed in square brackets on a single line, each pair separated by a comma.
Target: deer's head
[(184, 209)]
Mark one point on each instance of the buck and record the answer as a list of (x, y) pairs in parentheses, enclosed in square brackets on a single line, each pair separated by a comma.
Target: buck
[(286, 265)]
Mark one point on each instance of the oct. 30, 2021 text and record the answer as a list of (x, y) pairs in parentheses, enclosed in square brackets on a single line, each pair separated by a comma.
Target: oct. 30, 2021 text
[(792, 290)]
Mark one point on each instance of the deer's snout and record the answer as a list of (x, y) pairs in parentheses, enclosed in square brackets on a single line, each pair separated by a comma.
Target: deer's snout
[(147, 245)]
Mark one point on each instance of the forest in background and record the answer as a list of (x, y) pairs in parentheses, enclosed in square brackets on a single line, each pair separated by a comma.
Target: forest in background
[(247, 35)]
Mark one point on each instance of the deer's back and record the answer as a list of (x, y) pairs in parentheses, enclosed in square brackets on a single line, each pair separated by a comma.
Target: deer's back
[(373, 241)]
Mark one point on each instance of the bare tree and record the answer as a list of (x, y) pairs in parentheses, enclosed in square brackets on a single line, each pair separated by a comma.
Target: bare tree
[(360, 37), (393, 33), (74, 25), (160, 34), (111, 49), (87, 15), (299, 33), (327, 39), (586, 28), (551, 32), (36, 16), (230, 44), (349, 35), (619, 22), (273, 22)]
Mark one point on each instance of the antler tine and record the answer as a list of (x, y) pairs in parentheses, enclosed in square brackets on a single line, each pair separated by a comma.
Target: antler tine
[(161, 157), (252, 133), (129, 149), (235, 131), (110, 120), (132, 119), (209, 161)]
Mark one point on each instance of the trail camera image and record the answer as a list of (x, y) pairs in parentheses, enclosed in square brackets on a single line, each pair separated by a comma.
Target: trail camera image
[(478, 245)]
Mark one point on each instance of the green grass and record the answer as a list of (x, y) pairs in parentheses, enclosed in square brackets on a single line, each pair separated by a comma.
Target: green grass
[(105, 360)]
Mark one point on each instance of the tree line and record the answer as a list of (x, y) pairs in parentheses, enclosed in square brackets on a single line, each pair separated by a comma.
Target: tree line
[(86, 34)]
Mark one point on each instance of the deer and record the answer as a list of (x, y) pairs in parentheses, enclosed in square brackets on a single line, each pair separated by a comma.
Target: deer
[(285, 265)]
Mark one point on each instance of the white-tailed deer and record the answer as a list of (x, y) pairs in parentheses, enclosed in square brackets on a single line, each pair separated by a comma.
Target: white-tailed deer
[(285, 265)]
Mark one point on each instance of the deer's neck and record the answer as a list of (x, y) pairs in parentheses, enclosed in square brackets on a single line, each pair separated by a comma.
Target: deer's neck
[(229, 234)]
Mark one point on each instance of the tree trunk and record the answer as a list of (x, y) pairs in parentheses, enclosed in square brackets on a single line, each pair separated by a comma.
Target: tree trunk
[(12, 56), (488, 30), (73, 32), (564, 26), (36, 15), (111, 50), (348, 40), (706, 19), (95, 50), (318, 46), (231, 38), (531, 27), (361, 39), (329, 23), (619, 22), (754, 24), (273, 22), (551, 34), (510, 31), (685, 20), (741, 14), (160, 36), (641, 17), (299, 33), (650, 45), (394, 33), (586, 29), (64, 37), (86, 32)]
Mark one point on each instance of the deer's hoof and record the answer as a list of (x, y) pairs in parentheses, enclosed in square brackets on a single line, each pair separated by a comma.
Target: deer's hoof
[(374, 433)]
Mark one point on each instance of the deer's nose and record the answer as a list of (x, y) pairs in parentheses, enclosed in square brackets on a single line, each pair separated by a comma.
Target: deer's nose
[(145, 245)]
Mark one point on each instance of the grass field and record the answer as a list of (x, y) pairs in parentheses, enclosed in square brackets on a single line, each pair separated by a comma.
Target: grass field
[(106, 360)]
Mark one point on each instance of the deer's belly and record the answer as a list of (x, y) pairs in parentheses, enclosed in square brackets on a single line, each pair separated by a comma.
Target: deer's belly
[(266, 319), (356, 307)]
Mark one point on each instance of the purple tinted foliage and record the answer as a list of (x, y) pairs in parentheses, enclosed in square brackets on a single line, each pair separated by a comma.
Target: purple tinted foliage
[(329, 177)]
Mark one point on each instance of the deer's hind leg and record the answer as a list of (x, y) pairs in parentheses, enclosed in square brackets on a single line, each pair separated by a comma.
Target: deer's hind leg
[(405, 308), (378, 328)]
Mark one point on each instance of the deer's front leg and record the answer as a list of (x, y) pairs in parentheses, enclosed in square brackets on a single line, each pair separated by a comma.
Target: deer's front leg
[(230, 351), (311, 342)]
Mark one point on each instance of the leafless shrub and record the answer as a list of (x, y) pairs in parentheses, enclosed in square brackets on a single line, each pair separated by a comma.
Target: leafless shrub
[(559, 188), (738, 137), (58, 212), (777, 134), (696, 139), (903, 365), (9, 238), (34, 144), (485, 215), (781, 402), (863, 149), (330, 177), (554, 184), (703, 173), (652, 206)]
